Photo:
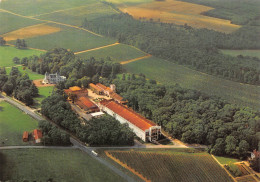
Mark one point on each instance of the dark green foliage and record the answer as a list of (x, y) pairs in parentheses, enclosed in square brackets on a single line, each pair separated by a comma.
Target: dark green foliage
[(255, 164), (20, 44), (102, 131), (195, 48), (16, 60), (2, 41), (194, 117), (52, 135)]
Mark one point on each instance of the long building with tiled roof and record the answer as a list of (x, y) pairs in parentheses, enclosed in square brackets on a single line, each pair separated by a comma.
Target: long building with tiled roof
[(143, 128)]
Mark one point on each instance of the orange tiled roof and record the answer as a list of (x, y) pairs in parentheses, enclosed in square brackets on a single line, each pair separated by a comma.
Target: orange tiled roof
[(128, 114), (75, 88), (25, 135), (86, 102), (95, 87), (37, 134), (116, 96), (104, 87)]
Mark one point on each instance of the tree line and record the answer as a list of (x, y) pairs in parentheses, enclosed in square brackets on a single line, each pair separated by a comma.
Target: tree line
[(192, 116), (195, 48), (18, 85)]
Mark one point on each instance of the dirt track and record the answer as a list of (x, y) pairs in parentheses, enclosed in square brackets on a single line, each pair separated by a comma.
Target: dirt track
[(97, 48), (38, 83), (136, 59)]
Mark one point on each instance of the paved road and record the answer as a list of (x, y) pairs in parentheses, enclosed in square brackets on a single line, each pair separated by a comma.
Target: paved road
[(37, 147), (80, 112)]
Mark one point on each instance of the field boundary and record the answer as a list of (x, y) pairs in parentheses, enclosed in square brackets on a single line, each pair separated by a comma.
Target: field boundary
[(94, 49), (136, 59), (127, 167), (28, 48)]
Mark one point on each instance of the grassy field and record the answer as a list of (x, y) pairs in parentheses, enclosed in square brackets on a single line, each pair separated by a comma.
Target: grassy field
[(77, 15), (13, 123), (253, 53), (7, 53), (58, 165), (33, 7), (226, 160), (43, 92), (178, 12), (17, 22), (117, 53), (175, 166), (69, 38), (169, 73), (32, 75)]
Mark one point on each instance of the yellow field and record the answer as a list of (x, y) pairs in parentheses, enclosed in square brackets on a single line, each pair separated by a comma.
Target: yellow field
[(172, 11), (31, 31)]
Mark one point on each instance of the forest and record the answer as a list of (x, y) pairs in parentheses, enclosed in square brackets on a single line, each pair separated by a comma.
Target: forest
[(18, 85), (192, 116), (195, 48)]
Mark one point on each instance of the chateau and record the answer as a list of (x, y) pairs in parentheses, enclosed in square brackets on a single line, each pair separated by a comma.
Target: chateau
[(53, 78)]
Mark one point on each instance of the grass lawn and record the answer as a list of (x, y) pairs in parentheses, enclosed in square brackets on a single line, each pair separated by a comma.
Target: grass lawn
[(253, 53), (59, 165), (169, 73), (32, 75), (226, 160), (69, 38), (7, 53), (77, 15), (13, 123), (43, 92), (33, 7), (117, 53), (17, 22)]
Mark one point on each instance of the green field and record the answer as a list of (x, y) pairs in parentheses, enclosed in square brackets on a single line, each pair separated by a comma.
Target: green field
[(59, 165), (173, 166), (7, 53), (252, 53), (13, 123), (43, 93), (17, 22), (169, 73), (77, 15), (69, 38), (32, 75), (36, 7), (117, 53), (226, 160)]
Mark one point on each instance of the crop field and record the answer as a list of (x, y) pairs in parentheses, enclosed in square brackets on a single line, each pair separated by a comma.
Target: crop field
[(178, 12), (33, 7), (76, 16), (32, 75), (31, 31), (69, 38), (13, 123), (59, 165), (156, 166), (170, 73), (17, 22), (117, 53), (7, 53), (252, 53)]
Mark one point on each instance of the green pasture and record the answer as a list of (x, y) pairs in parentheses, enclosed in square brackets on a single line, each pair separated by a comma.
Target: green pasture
[(59, 165), (36, 7), (13, 123), (226, 160), (7, 53), (117, 53), (77, 15), (252, 53), (69, 38), (170, 73), (9, 22), (43, 93), (32, 75)]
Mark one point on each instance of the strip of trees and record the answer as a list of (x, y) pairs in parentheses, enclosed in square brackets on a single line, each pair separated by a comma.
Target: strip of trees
[(195, 48)]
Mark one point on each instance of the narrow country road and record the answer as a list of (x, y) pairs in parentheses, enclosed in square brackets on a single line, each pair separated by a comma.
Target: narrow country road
[(37, 147)]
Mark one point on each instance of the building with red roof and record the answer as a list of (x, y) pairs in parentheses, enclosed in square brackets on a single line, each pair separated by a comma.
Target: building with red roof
[(86, 104), (75, 92), (25, 136), (37, 134), (143, 128), (96, 89)]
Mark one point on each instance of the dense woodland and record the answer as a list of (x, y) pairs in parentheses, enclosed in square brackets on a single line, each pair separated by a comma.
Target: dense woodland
[(192, 116), (77, 71), (18, 85), (195, 48), (102, 131)]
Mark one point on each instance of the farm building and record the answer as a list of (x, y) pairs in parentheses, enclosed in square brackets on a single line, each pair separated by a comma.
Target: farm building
[(75, 92), (53, 78), (37, 134), (25, 136), (86, 104), (101, 89), (143, 128)]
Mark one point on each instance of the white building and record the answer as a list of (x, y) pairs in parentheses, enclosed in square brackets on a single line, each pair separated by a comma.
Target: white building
[(53, 78), (142, 127)]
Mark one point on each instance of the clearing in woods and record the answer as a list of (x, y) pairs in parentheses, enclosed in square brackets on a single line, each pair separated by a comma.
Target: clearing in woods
[(169, 73), (252, 53), (175, 166), (178, 12), (31, 31)]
